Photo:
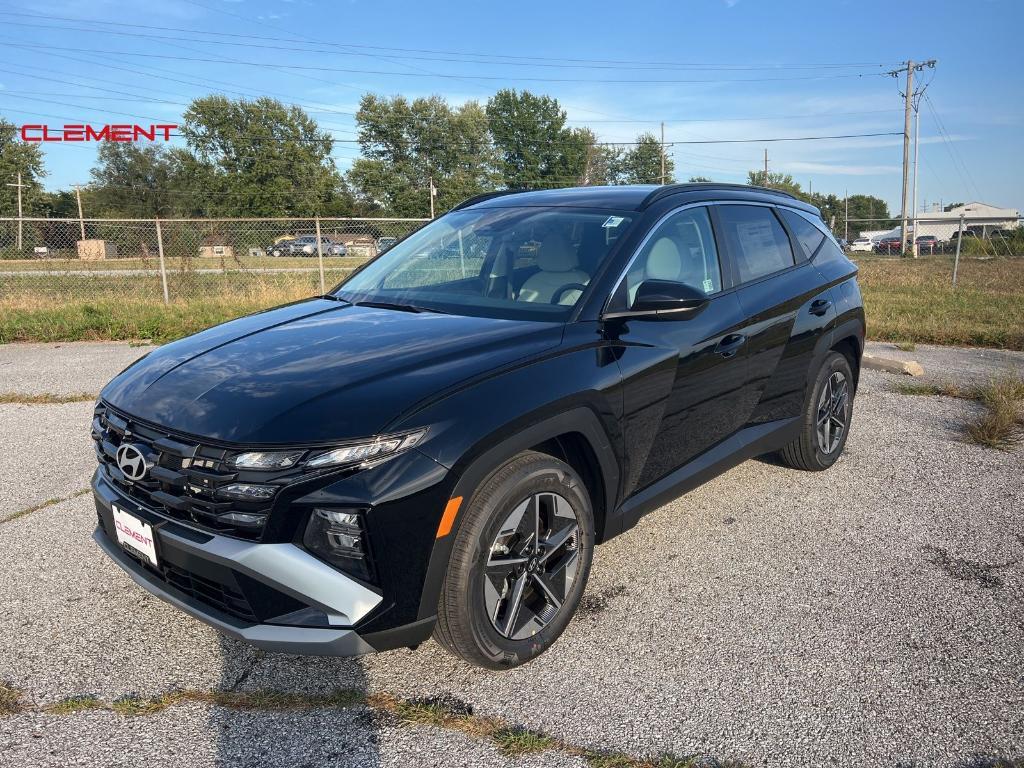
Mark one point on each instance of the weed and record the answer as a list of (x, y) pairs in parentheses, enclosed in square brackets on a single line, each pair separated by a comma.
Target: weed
[(75, 704), (906, 346), (10, 699), (19, 398), (42, 505)]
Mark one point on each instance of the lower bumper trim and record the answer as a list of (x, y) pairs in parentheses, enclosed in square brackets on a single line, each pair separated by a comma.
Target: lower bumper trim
[(312, 641)]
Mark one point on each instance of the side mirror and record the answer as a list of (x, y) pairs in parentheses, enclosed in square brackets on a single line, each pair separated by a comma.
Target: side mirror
[(664, 297)]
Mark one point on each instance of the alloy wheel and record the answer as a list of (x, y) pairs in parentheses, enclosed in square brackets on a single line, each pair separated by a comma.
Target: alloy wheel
[(532, 565), (833, 414)]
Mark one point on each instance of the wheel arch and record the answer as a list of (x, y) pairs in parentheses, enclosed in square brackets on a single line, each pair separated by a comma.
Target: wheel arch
[(575, 436)]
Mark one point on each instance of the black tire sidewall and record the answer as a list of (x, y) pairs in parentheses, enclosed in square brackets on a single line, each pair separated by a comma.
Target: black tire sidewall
[(834, 362), (543, 474)]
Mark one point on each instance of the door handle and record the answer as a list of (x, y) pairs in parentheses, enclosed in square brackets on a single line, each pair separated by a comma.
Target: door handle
[(820, 307), (731, 344)]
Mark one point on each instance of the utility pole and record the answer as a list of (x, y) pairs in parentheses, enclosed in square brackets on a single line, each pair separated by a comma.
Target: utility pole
[(766, 167), (846, 215), (663, 153), (433, 193), (81, 221), (917, 143), (19, 185), (908, 104)]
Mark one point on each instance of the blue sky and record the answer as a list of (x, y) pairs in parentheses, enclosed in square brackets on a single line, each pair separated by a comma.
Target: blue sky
[(766, 69)]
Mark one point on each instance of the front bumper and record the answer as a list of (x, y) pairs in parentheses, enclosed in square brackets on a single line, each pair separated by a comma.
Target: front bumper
[(284, 575)]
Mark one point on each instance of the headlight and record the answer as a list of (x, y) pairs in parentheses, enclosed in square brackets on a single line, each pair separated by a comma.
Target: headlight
[(247, 491), (266, 460), (368, 450)]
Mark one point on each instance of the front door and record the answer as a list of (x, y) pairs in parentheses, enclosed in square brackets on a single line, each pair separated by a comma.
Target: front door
[(683, 377)]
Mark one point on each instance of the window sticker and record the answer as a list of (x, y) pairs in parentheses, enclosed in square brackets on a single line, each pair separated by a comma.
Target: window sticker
[(708, 285), (613, 221)]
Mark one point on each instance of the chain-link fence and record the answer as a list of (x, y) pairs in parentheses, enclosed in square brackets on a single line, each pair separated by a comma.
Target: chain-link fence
[(266, 261)]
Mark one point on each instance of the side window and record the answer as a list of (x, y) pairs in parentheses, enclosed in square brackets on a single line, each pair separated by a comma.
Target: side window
[(808, 235), (681, 249), (757, 242)]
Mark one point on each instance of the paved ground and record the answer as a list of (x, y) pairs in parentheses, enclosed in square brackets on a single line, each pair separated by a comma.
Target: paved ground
[(869, 615)]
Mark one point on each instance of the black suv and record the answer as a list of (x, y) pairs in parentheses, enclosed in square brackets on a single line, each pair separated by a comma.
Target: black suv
[(437, 445)]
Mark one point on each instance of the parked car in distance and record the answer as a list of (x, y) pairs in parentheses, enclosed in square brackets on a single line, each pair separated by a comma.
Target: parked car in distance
[(927, 244), (383, 243), (305, 245), (889, 245), (862, 245), (437, 446)]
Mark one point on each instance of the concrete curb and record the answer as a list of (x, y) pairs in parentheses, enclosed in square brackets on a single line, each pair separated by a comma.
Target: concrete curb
[(887, 364)]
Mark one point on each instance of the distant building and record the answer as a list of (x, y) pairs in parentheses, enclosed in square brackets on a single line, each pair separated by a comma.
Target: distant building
[(980, 218)]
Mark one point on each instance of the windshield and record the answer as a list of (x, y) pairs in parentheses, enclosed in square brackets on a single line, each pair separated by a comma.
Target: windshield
[(523, 263)]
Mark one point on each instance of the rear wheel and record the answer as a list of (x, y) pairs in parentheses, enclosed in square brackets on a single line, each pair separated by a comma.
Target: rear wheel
[(826, 418), (519, 563)]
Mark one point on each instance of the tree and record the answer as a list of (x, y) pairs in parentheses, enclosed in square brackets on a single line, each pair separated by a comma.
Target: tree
[(641, 163), (136, 181), (256, 158), (407, 144), (780, 181), (535, 149), (700, 180), (16, 157)]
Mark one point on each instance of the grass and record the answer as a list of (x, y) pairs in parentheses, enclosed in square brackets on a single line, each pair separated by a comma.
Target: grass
[(10, 699), (20, 398), (908, 301), (1000, 424), (437, 711), (913, 301), (73, 704), (42, 505), (905, 346)]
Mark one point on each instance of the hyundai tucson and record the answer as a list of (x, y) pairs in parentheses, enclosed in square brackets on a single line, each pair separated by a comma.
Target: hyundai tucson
[(436, 446)]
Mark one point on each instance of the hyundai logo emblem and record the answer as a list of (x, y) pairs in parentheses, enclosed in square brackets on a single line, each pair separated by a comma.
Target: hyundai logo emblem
[(131, 461)]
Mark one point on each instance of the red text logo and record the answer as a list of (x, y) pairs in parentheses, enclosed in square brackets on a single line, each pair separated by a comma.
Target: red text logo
[(82, 132)]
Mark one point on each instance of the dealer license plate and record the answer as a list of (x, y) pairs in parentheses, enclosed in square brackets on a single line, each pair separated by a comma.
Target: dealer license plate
[(135, 534)]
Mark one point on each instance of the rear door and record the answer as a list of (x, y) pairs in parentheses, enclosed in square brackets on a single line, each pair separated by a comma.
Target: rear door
[(787, 308)]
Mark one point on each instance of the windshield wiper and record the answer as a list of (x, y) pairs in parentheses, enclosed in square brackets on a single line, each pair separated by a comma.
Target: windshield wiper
[(397, 306)]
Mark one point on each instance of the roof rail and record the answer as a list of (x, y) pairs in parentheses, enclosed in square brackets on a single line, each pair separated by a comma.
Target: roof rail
[(671, 189), (486, 196)]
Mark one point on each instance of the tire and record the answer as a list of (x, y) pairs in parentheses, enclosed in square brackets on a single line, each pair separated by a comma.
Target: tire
[(475, 618), (808, 452)]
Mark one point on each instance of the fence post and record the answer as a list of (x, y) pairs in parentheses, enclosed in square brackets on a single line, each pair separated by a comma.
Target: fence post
[(163, 267), (320, 256), (959, 242)]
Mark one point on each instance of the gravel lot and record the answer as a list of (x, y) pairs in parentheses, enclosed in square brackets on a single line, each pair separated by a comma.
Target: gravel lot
[(869, 615)]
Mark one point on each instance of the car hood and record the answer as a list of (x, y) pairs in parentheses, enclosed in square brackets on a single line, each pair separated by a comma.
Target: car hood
[(318, 371)]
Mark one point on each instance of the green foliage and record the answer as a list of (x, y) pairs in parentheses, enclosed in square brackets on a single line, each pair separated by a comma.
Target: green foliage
[(781, 181), (641, 164), (256, 158), (534, 146), (406, 144), (136, 181), (17, 157), (699, 180)]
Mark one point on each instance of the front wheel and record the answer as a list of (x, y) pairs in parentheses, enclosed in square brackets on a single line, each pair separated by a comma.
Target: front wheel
[(519, 563), (826, 418)]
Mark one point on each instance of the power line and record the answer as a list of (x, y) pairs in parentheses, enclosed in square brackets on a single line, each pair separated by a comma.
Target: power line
[(352, 70), (516, 57), (450, 58)]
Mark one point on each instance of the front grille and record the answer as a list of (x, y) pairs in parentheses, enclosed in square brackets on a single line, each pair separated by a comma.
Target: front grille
[(183, 477)]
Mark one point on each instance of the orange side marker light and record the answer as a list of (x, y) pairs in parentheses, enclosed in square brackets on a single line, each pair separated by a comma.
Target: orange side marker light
[(448, 518)]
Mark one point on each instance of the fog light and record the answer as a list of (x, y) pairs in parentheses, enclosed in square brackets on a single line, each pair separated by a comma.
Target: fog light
[(337, 536), (247, 491)]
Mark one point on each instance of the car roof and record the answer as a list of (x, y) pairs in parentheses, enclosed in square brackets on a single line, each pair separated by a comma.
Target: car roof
[(630, 197)]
